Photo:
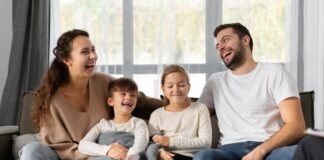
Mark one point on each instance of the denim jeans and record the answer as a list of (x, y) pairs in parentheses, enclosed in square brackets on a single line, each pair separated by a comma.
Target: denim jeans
[(37, 151), (236, 151)]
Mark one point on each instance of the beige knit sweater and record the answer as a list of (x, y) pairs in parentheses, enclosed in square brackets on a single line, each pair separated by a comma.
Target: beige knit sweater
[(65, 126)]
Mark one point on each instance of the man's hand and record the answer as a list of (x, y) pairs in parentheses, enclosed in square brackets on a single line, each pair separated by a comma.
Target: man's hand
[(256, 154), (117, 151), (161, 140), (165, 155)]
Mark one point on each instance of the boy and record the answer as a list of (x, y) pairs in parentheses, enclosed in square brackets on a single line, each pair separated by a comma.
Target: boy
[(125, 136)]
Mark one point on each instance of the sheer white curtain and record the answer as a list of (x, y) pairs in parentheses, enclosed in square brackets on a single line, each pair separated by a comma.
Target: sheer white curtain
[(138, 38), (314, 55), (295, 42), (306, 60)]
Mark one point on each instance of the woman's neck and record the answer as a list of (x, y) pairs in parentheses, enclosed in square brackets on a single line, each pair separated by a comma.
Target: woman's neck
[(78, 84)]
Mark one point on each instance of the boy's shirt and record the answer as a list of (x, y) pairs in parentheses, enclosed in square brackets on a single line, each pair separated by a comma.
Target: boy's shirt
[(134, 125)]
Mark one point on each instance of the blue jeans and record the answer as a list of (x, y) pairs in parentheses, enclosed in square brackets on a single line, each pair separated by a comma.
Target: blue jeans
[(236, 151), (37, 151)]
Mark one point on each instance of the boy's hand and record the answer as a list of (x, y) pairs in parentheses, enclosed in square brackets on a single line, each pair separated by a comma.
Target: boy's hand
[(117, 151), (161, 140), (165, 155)]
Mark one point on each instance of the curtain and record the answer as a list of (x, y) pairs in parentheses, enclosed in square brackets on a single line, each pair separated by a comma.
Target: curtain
[(314, 55), (138, 38), (28, 56), (294, 63), (306, 53)]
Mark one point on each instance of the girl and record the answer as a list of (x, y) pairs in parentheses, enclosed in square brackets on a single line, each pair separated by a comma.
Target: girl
[(184, 127)]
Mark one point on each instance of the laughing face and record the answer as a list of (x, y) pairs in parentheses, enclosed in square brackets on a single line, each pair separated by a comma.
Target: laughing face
[(83, 57), (124, 102), (230, 48)]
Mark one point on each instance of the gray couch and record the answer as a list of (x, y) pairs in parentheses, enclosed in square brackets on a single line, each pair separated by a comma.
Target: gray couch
[(143, 110)]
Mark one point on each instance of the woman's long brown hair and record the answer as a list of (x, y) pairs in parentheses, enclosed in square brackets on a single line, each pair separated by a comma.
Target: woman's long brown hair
[(56, 76)]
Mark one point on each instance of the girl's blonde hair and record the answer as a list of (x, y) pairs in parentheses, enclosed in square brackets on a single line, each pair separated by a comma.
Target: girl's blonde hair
[(172, 69)]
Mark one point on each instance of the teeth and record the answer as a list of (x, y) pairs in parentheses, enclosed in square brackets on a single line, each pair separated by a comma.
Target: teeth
[(127, 104), (226, 54)]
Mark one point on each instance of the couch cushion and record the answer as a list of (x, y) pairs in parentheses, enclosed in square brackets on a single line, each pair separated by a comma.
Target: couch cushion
[(307, 105), (20, 141), (25, 122)]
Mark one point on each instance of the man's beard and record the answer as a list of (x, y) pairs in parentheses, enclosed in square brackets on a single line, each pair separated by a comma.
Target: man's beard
[(238, 59)]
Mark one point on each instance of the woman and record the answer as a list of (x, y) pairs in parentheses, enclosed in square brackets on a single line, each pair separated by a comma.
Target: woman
[(183, 127), (70, 100)]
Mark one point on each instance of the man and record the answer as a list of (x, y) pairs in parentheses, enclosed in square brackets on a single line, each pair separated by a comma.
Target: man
[(257, 104)]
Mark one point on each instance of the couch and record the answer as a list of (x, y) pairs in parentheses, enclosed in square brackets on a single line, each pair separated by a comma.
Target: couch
[(143, 110)]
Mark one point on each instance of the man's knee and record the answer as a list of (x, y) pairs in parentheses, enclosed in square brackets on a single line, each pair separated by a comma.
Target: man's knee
[(286, 153), (204, 154)]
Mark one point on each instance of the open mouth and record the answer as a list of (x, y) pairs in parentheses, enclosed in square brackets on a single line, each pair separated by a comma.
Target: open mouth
[(227, 54), (127, 104), (90, 66)]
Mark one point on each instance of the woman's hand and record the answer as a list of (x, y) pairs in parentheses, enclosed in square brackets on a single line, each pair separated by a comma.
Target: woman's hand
[(117, 151), (161, 140), (165, 155)]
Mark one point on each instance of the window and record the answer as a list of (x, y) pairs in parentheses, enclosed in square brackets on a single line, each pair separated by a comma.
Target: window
[(137, 38), (267, 21), (167, 30)]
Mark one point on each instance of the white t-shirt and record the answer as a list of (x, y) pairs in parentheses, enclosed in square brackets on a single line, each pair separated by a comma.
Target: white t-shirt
[(189, 130), (134, 125), (247, 105)]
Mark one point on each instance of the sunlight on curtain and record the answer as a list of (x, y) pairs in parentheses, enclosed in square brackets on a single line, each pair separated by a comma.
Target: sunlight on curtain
[(294, 46), (103, 19), (137, 38), (167, 32), (266, 21)]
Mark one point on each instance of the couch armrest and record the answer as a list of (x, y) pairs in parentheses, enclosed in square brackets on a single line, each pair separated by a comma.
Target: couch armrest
[(6, 134)]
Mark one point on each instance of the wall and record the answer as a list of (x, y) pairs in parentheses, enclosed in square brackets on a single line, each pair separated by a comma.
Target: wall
[(5, 40)]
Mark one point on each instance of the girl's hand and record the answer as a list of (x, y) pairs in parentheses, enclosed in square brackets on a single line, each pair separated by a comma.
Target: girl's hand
[(161, 140), (117, 151), (165, 155)]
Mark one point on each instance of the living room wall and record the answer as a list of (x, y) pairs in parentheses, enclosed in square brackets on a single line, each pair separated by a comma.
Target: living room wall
[(5, 40)]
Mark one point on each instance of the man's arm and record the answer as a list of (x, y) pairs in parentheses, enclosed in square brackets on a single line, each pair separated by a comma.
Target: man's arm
[(290, 133)]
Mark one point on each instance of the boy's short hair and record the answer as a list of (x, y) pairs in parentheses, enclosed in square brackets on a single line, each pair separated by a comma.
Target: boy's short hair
[(122, 84)]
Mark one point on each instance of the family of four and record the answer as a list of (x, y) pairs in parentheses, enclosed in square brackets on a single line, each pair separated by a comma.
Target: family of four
[(81, 114)]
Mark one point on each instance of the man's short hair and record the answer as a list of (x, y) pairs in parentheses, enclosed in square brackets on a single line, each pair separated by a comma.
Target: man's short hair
[(238, 28)]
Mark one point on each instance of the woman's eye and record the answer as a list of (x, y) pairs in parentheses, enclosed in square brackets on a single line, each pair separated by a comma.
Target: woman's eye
[(85, 52)]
